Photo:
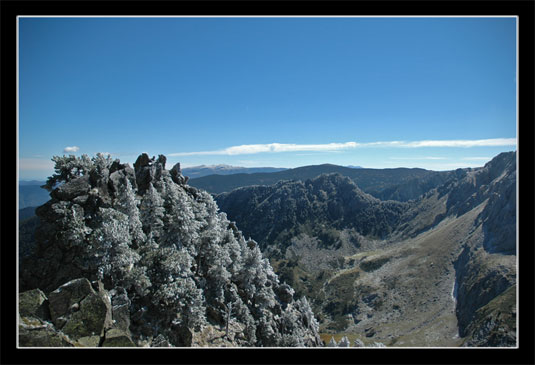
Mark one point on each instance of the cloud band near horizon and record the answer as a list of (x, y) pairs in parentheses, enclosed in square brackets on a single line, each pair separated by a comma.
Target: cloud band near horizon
[(329, 147)]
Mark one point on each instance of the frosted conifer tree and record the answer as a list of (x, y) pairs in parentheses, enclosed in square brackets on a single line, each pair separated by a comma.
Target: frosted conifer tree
[(344, 342), (332, 342), (127, 203), (151, 213)]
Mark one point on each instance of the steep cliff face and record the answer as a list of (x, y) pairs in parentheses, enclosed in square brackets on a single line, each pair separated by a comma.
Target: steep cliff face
[(486, 268), (482, 278), (177, 272)]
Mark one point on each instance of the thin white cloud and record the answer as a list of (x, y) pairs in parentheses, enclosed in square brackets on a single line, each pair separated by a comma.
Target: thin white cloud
[(464, 143), (248, 149), (331, 147), (71, 149)]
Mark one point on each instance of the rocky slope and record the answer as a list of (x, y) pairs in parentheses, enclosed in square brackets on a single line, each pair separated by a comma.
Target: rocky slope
[(136, 257), (429, 272)]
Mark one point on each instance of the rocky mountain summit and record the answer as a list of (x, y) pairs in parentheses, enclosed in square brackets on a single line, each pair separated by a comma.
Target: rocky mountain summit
[(439, 270), (136, 257)]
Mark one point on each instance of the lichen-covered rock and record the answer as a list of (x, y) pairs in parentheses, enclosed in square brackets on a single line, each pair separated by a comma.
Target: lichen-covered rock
[(115, 337), (34, 332), (42, 337), (34, 303), (79, 311), (88, 341)]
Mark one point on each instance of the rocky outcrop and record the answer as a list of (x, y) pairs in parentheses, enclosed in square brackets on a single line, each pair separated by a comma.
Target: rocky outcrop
[(137, 257), (80, 311), (33, 303), (36, 333), (116, 337)]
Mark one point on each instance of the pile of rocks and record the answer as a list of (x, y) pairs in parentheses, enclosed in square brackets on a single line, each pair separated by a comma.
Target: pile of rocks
[(77, 314)]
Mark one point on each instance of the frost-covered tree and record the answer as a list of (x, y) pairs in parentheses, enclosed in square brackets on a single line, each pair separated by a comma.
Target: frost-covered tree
[(127, 203), (181, 226), (109, 245), (344, 342), (332, 342), (70, 167), (151, 212)]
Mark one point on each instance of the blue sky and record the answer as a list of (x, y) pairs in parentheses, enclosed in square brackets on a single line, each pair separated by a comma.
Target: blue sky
[(436, 93)]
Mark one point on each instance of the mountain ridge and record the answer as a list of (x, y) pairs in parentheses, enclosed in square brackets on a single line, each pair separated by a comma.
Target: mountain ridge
[(222, 169), (436, 245), (438, 270), (401, 184)]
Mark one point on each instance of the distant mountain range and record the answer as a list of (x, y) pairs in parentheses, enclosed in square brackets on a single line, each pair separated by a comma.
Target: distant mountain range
[(400, 184), (30, 182), (31, 194), (205, 170)]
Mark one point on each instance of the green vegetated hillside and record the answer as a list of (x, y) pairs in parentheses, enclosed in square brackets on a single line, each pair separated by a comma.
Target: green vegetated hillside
[(400, 184), (435, 269), (429, 272)]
